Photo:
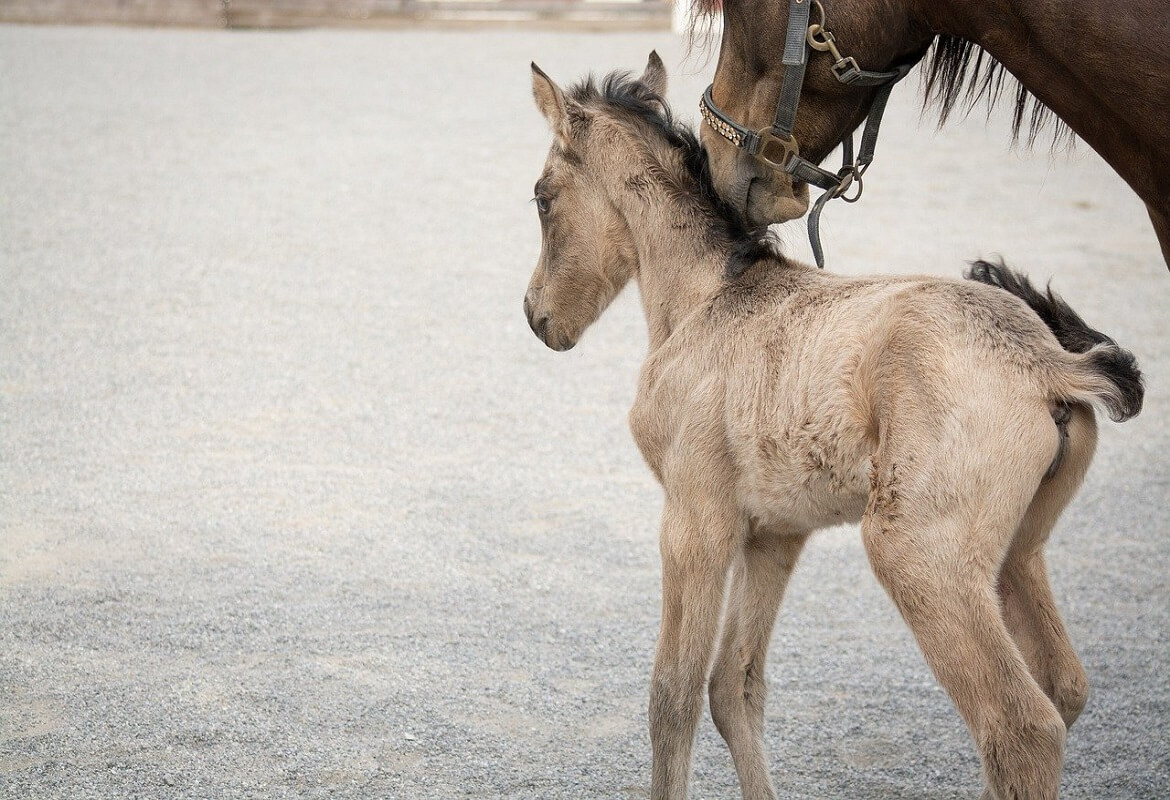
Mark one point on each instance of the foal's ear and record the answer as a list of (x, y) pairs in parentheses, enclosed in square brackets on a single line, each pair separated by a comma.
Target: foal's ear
[(655, 75), (551, 102)]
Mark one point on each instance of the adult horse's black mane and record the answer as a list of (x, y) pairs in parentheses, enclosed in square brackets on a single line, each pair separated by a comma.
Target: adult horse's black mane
[(957, 72), (626, 94)]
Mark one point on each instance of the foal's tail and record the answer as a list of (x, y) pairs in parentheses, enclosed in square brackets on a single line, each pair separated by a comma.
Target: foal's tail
[(1107, 371)]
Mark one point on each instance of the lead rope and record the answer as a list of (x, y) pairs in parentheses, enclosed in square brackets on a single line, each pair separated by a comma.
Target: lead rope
[(851, 171)]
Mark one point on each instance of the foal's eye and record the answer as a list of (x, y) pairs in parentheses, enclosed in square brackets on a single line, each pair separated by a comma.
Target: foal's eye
[(542, 204)]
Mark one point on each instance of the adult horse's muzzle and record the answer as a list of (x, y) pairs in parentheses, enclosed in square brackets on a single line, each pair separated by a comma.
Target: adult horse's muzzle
[(764, 196), (767, 204), (775, 151)]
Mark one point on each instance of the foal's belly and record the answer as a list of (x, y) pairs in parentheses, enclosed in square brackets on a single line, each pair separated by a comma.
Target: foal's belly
[(790, 482)]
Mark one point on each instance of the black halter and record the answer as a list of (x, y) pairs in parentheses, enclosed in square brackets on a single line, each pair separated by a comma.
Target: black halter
[(778, 148)]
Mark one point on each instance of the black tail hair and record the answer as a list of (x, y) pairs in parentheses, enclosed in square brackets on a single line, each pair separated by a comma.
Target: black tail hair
[(1114, 363)]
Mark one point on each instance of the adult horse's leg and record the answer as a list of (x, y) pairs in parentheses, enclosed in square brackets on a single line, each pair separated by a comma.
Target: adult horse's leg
[(700, 533), (1161, 220), (737, 687), (1028, 605), (936, 534)]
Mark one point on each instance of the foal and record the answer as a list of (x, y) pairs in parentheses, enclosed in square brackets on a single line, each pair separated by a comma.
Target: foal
[(777, 399)]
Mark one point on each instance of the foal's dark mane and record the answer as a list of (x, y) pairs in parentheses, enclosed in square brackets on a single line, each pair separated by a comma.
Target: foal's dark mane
[(957, 72), (629, 97)]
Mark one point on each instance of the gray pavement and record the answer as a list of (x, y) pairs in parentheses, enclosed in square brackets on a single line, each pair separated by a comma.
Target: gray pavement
[(292, 503)]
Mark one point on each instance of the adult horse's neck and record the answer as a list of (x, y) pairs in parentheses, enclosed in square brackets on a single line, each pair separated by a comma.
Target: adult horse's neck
[(1102, 67)]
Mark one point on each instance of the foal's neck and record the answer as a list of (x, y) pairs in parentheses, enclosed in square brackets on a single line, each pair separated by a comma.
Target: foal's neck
[(679, 267)]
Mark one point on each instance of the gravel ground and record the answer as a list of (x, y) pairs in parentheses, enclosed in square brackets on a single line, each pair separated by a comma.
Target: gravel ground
[(292, 503)]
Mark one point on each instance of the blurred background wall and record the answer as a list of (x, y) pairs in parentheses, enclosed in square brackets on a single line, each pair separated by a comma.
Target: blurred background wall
[(636, 14)]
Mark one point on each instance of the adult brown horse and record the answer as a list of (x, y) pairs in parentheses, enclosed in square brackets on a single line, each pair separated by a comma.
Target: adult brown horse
[(1103, 68)]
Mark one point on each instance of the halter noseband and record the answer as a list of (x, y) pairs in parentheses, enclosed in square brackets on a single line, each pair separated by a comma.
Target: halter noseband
[(778, 148)]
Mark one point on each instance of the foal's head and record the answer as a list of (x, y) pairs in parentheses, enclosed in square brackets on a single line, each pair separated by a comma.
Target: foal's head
[(619, 158), (587, 251)]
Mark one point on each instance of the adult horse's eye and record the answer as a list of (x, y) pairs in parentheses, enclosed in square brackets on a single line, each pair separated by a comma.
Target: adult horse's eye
[(542, 204)]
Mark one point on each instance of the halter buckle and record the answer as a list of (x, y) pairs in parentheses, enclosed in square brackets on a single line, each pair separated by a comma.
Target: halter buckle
[(774, 151), (847, 70)]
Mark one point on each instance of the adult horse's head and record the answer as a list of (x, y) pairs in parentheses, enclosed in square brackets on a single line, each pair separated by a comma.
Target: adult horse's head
[(878, 35)]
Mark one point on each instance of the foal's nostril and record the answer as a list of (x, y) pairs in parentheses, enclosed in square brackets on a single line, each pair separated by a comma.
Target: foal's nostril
[(539, 326)]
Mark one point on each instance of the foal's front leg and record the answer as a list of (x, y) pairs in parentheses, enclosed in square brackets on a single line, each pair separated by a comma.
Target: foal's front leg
[(737, 687), (700, 533)]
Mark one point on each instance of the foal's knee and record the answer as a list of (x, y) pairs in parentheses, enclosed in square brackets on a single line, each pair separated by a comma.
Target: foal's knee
[(726, 700), (675, 701)]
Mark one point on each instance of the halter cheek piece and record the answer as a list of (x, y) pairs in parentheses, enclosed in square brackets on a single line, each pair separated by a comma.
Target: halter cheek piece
[(778, 148)]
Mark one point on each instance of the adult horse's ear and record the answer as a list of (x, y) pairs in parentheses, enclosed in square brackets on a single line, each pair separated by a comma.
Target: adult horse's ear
[(655, 75), (551, 102)]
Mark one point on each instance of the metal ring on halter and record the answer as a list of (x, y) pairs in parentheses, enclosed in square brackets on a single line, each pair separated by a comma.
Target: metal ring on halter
[(774, 151), (847, 180), (827, 43), (851, 174), (820, 9)]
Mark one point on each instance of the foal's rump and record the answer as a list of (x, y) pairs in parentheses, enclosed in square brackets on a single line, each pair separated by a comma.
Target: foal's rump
[(947, 336), (1095, 369), (952, 365)]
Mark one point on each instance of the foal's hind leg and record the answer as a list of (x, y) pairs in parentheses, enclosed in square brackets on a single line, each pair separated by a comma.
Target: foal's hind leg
[(1028, 605), (737, 687), (939, 561)]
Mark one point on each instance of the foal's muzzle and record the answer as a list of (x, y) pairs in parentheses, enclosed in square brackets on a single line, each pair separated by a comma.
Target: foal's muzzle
[(539, 323)]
